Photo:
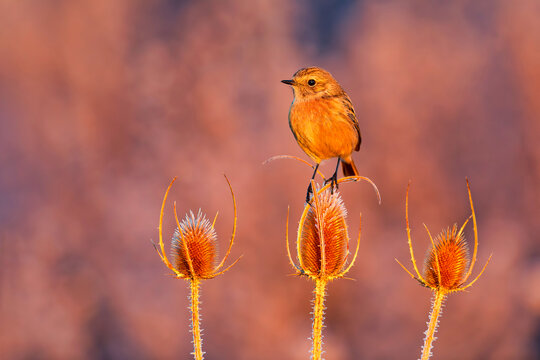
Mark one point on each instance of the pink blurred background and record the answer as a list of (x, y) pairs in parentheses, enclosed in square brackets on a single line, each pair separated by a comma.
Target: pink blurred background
[(102, 103)]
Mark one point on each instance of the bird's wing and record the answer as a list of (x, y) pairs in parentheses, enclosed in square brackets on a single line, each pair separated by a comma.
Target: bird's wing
[(352, 115)]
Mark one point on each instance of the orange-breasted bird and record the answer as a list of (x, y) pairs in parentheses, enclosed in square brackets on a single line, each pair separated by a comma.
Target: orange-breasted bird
[(323, 120)]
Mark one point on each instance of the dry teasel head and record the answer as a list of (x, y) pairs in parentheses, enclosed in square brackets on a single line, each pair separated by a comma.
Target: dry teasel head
[(194, 244), (323, 240), (445, 266), (446, 263), (194, 247)]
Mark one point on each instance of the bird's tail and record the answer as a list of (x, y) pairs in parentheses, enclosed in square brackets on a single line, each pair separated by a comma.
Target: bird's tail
[(349, 169)]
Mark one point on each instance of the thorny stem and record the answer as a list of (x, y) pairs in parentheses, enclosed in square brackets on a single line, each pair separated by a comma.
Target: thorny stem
[(195, 328), (318, 314), (438, 301)]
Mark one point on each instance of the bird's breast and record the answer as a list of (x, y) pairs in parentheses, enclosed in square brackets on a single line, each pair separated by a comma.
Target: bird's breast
[(322, 128)]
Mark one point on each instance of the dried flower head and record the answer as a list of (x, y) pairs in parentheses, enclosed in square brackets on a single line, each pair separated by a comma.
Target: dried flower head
[(446, 262), (194, 244), (323, 238), (445, 266), (323, 241), (200, 239)]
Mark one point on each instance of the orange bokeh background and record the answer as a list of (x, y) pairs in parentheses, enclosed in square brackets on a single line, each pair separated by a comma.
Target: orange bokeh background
[(103, 102)]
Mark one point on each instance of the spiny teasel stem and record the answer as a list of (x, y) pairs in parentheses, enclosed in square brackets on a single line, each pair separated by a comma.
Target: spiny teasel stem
[(195, 327), (436, 308), (318, 317)]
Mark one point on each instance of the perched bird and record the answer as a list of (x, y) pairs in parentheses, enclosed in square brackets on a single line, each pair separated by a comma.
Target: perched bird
[(323, 121)]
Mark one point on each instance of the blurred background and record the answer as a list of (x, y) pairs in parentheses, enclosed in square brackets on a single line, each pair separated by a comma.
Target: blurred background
[(103, 102)]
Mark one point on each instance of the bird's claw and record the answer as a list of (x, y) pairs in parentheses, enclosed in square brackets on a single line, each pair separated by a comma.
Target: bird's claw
[(309, 193), (333, 183)]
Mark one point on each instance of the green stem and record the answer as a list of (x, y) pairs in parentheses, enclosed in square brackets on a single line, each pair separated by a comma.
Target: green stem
[(318, 314), (438, 300), (195, 327)]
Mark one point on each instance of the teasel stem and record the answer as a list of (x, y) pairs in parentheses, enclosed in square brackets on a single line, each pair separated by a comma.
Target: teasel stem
[(436, 308), (195, 327), (318, 317)]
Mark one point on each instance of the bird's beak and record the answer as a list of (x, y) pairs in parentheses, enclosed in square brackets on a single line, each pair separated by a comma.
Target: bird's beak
[(288, 82)]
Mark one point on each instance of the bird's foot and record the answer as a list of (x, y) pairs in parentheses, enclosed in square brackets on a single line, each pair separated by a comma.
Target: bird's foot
[(309, 193), (333, 182)]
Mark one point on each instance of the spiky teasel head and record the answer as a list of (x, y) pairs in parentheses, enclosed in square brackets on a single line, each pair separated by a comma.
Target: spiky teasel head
[(323, 240), (194, 244), (446, 263), (323, 226), (445, 266)]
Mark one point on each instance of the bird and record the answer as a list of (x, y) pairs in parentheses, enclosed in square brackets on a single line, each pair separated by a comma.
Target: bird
[(323, 121)]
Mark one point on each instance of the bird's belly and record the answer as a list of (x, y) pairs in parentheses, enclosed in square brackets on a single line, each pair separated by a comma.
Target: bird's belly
[(322, 132)]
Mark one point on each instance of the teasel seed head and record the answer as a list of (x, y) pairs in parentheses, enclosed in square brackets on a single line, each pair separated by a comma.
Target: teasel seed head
[(323, 240), (446, 267), (446, 263), (194, 245), (195, 241)]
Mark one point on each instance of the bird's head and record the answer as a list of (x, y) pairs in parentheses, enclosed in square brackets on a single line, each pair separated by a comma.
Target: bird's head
[(313, 82)]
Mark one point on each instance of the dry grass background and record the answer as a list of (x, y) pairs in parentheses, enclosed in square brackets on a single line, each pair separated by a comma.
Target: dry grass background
[(102, 103)]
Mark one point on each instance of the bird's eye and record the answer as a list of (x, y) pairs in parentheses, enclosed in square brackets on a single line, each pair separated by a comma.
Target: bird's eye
[(311, 82)]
